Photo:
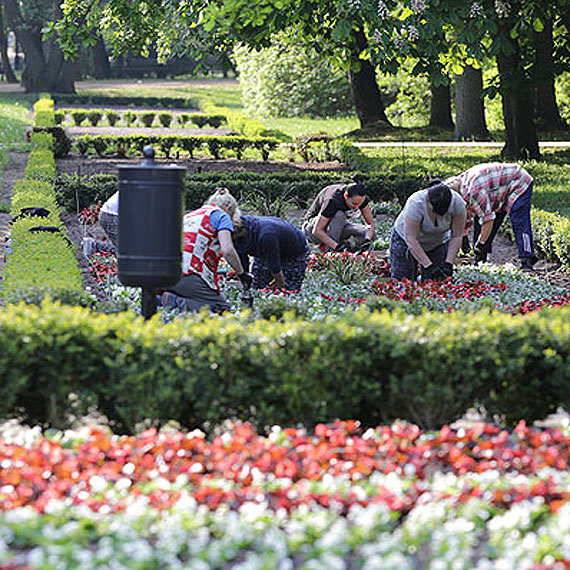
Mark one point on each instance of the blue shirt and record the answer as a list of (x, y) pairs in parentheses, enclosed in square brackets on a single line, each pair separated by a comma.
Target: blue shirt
[(221, 220), (272, 240)]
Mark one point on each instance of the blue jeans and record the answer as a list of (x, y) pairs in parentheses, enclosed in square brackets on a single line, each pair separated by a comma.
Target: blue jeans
[(403, 265)]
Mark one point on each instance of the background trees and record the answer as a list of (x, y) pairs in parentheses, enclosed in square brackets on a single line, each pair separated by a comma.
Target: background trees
[(45, 67), (526, 39)]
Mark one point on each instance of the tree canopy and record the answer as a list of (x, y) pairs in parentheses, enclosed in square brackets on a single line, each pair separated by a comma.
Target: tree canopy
[(442, 36)]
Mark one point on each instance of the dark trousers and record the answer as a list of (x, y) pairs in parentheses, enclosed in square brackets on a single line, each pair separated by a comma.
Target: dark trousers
[(403, 265), (520, 220)]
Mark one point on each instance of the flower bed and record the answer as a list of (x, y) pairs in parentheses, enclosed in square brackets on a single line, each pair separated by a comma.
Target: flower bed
[(390, 497)]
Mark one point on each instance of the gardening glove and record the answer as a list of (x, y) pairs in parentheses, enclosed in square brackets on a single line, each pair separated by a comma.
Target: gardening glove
[(466, 245), (481, 252), (433, 272), (447, 269), (246, 279), (363, 246)]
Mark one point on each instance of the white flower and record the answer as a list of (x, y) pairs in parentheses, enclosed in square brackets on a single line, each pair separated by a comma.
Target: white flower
[(502, 8), (418, 6), (475, 11), (382, 10)]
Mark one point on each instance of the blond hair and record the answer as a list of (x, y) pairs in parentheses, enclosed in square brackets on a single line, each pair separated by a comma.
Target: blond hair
[(222, 198)]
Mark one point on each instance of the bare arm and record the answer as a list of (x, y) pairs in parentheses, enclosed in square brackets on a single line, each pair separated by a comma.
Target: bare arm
[(457, 227), (229, 252), (321, 232), (486, 229), (369, 219), (411, 233)]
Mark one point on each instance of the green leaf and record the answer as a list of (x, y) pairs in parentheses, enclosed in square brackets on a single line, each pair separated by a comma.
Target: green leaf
[(342, 31), (538, 25), (406, 13)]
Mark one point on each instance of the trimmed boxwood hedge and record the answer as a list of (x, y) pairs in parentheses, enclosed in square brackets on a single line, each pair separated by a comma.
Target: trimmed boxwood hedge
[(301, 186), (56, 361)]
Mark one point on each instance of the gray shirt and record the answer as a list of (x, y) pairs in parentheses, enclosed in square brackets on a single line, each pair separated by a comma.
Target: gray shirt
[(430, 235)]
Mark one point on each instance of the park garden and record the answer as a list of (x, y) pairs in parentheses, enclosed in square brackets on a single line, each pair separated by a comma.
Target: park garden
[(309, 431), (359, 423)]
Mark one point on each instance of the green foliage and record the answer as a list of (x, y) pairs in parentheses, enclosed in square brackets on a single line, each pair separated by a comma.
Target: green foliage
[(406, 96), (78, 117), (61, 143), (94, 116), (287, 79), (130, 100), (41, 263), (147, 118), (124, 144), (112, 116), (130, 118), (75, 192), (165, 119), (427, 369)]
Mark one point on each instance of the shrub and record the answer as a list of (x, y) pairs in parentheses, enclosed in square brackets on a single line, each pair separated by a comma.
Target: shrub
[(59, 116), (130, 118), (165, 119), (376, 366), (183, 118), (112, 116), (198, 120), (147, 118), (94, 116), (78, 117), (287, 79)]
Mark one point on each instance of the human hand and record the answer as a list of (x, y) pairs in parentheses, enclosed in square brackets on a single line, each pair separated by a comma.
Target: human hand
[(246, 279), (447, 269), (433, 271)]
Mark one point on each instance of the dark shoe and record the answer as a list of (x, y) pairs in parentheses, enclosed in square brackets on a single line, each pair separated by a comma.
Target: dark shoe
[(527, 265)]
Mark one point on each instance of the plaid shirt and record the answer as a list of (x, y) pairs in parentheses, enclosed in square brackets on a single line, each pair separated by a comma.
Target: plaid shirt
[(492, 188)]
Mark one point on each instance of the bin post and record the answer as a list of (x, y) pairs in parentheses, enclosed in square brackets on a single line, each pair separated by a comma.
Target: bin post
[(151, 205)]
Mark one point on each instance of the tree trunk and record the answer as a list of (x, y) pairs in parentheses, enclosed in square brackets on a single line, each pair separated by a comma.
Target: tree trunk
[(365, 90), (516, 91), (440, 107), (45, 68), (545, 105), (101, 64), (470, 121), (7, 68)]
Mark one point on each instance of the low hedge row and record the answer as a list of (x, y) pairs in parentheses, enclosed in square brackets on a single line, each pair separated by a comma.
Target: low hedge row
[(123, 101), (130, 118), (56, 361), (123, 145), (42, 258), (297, 187)]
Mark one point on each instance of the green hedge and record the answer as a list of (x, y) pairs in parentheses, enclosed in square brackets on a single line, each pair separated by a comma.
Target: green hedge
[(124, 101), (300, 187), (40, 263), (166, 144), (375, 367)]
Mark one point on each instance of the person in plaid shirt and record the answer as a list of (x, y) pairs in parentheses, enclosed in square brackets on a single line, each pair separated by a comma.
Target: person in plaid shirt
[(491, 191)]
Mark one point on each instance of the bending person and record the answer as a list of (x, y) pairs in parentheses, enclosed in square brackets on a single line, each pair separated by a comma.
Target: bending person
[(326, 222), (280, 252), (491, 191), (207, 237), (428, 231)]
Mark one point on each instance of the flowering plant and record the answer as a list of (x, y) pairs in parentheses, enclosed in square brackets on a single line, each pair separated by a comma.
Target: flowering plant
[(476, 496)]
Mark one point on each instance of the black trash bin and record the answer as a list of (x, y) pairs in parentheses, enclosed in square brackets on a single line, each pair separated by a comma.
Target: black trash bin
[(151, 206)]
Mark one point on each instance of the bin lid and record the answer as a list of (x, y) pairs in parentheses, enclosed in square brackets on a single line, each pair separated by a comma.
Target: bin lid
[(149, 164)]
